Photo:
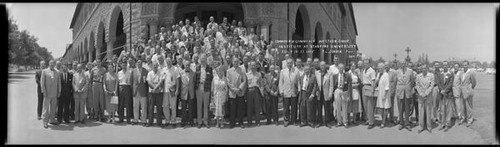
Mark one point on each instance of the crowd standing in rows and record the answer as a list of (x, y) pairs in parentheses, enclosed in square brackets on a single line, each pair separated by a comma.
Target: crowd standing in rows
[(200, 69)]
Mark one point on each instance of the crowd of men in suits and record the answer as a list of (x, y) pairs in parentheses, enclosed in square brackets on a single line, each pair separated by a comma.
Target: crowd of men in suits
[(182, 66)]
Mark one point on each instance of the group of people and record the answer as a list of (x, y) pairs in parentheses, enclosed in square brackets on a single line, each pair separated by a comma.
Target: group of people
[(201, 69)]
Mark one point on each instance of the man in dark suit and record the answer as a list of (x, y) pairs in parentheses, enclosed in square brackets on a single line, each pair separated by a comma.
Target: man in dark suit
[(308, 87), (65, 96), (139, 92), (343, 93), (38, 76)]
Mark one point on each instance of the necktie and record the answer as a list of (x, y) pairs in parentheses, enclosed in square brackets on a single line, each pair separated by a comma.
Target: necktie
[(341, 81)]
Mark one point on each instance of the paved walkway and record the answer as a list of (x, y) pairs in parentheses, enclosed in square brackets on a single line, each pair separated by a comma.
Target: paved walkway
[(24, 128)]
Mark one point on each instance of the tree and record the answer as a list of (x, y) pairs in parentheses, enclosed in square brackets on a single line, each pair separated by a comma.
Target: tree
[(492, 64), (23, 47)]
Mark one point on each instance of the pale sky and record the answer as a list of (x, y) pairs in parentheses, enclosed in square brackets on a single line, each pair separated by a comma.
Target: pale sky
[(442, 30), (47, 21)]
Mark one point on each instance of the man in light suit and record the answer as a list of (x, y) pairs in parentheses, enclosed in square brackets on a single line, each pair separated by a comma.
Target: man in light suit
[(467, 85), (288, 90), (139, 92), (187, 94), (324, 95), (404, 92), (307, 86), (342, 83), (51, 89)]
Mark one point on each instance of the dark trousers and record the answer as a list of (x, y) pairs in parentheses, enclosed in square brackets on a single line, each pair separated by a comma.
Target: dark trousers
[(328, 111), (72, 107), (155, 99), (320, 103), (227, 109), (253, 106), (307, 109), (40, 104), (63, 109), (404, 110), (187, 111), (391, 110), (125, 101), (272, 108), (415, 105), (290, 103), (237, 108)]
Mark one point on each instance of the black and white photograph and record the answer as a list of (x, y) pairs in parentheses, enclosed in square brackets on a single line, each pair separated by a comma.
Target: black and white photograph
[(237, 73)]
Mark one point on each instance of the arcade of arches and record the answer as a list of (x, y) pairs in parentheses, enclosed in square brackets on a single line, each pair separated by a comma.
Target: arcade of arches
[(101, 30)]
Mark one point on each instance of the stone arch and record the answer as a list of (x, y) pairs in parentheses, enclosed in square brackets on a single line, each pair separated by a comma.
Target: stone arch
[(235, 10), (328, 50), (302, 31), (100, 41), (85, 49), (92, 50), (117, 36), (318, 35)]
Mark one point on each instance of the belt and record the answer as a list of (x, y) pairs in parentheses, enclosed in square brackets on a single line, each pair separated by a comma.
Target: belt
[(367, 84), (97, 81)]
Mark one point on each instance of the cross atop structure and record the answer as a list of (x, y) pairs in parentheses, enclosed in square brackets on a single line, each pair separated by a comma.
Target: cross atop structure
[(395, 55), (408, 50)]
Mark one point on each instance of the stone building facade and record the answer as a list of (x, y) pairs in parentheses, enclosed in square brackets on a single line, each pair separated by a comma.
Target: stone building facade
[(101, 30)]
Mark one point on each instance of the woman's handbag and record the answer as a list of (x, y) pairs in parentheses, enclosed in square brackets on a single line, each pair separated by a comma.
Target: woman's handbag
[(114, 99)]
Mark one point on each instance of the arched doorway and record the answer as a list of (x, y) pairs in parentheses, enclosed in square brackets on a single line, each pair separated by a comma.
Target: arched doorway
[(318, 35), (328, 51), (302, 32), (233, 11), (101, 40), (91, 47), (116, 32)]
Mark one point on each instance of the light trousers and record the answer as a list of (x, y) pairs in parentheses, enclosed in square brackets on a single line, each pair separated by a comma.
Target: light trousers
[(140, 106), (446, 111), (80, 100), (202, 98), (468, 109), (425, 107), (342, 99), (170, 107), (370, 102), (49, 109)]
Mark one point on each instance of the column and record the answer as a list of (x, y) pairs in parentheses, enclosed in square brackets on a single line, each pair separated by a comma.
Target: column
[(153, 29), (109, 51), (264, 30)]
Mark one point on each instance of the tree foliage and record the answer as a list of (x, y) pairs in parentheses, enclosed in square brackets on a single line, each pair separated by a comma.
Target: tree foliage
[(23, 47)]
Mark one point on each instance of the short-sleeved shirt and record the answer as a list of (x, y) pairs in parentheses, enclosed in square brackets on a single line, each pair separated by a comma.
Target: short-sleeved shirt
[(253, 79), (155, 78), (170, 75), (124, 77)]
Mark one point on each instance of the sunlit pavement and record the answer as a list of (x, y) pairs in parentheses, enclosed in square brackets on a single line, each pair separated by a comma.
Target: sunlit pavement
[(24, 128)]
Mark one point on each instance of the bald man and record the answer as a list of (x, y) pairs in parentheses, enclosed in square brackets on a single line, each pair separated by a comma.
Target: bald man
[(51, 89)]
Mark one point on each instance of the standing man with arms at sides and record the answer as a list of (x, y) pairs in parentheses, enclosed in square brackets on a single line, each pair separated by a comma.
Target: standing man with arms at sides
[(66, 94), (343, 91), (288, 85), (424, 84), (308, 86), (202, 85), (80, 82), (139, 92), (155, 83), (187, 94), (237, 82), (435, 94), (97, 74), (393, 79), (368, 80), (38, 76), (325, 92), (404, 92), (467, 85), (51, 89), (72, 70), (254, 94), (89, 105), (271, 86), (447, 100), (383, 87), (333, 70), (171, 90)]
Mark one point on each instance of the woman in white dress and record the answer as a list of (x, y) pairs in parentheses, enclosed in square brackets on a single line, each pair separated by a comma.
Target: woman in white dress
[(220, 93), (383, 97)]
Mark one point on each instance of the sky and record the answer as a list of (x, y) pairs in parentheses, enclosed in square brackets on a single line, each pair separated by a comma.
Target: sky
[(442, 30), (49, 22)]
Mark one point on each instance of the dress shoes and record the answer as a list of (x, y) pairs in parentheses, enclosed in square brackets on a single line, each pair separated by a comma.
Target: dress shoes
[(371, 127), (446, 129), (420, 131)]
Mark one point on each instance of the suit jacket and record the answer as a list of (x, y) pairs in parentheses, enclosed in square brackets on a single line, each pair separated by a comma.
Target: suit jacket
[(405, 83), (468, 83), (448, 85), (271, 83), (66, 85), (38, 76), (347, 86), (325, 84), (51, 83), (139, 83), (187, 85), (439, 80), (457, 79), (208, 79), (311, 86)]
